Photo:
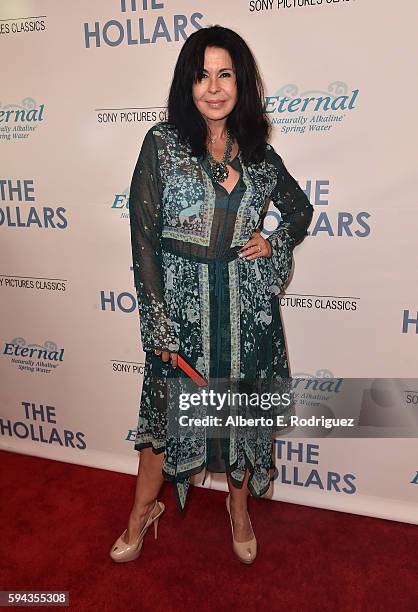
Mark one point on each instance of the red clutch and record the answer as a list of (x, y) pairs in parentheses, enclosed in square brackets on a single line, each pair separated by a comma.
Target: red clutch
[(191, 372)]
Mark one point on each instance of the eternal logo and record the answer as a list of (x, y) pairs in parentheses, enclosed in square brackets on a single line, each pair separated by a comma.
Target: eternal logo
[(316, 110), (18, 121), (121, 202), (34, 357), (323, 381), (281, 104), (312, 390)]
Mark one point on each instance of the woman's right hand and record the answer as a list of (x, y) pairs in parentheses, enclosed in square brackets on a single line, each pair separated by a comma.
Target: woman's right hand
[(166, 355)]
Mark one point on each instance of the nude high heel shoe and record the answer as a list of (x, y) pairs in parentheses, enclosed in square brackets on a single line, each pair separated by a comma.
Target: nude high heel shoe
[(122, 552), (245, 551)]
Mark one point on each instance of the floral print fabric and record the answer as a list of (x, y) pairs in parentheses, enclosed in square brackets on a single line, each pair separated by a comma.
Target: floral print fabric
[(198, 298)]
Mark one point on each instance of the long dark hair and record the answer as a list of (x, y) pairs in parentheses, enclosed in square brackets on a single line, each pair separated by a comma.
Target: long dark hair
[(248, 121)]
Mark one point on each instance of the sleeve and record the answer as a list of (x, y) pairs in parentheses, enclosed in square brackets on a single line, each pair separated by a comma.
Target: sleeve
[(145, 214), (296, 214)]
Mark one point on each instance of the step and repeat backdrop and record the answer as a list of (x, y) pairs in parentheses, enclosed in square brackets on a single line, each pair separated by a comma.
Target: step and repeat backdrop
[(81, 85)]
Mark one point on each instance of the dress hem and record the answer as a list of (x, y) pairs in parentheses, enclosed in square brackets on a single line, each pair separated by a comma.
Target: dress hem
[(238, 484)]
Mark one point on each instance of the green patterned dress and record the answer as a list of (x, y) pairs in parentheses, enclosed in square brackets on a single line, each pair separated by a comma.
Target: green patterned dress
[(198, 298)]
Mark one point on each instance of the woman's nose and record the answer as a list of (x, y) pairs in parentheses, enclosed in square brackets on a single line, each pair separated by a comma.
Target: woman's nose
[(213, 84)]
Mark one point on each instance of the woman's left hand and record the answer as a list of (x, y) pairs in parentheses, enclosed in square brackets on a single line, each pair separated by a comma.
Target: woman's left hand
[(256, 246)]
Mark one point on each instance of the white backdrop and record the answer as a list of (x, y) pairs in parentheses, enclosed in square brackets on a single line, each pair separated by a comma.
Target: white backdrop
[(80, 87)]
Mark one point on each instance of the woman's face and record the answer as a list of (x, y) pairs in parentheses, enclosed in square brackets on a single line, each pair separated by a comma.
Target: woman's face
[(216, 94)]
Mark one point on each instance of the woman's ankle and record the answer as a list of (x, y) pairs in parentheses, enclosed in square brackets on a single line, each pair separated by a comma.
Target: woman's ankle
[(142, 510)]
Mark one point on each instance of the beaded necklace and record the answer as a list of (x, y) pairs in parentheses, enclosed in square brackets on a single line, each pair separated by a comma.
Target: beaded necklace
[(219, 169)]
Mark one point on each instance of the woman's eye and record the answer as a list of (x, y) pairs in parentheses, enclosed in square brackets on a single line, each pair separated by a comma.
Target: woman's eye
[(222, 75)]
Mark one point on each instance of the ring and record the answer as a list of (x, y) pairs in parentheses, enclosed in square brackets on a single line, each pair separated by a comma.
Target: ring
[(259, 248)]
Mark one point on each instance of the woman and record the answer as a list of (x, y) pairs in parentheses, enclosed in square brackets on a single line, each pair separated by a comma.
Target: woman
[(206, 280)]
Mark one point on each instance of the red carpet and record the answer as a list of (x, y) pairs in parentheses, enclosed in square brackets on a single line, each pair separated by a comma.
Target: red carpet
[(59, 521)]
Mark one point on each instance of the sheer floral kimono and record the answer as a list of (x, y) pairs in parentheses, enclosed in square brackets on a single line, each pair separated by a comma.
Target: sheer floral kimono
[(198, 298)]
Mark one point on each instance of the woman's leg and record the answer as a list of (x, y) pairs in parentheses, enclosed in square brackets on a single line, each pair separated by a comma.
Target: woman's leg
[(238, 505), (148, 485)]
